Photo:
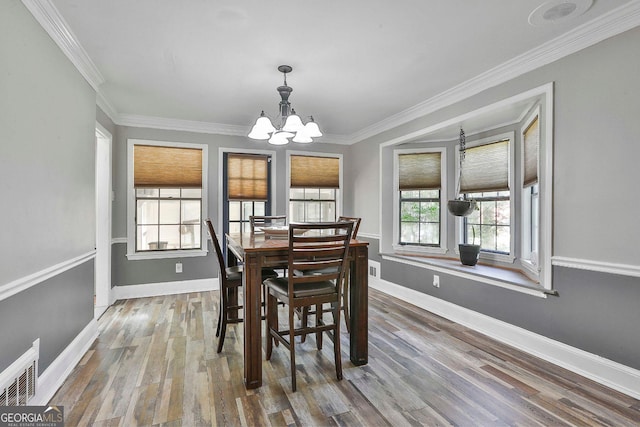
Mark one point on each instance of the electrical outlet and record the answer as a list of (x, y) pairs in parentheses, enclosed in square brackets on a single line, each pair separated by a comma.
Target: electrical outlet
[(178, 267), (436, 280)]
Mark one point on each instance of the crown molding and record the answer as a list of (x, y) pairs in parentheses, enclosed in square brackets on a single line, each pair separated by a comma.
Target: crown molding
[(608, 25), (135, 120), (54, 24)]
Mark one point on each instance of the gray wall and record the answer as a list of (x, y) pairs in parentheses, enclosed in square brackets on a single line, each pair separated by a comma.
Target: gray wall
[(125, 272), (47, 144), (596, 151)]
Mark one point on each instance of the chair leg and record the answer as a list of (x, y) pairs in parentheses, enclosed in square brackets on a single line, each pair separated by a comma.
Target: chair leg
[(318, 323), (223, 317), (272, 313), (220, 313), (345, 304), (292, 349), (336, 345), (304, 322)]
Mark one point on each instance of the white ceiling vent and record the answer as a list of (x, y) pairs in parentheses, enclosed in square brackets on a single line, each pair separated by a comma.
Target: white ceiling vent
[(555, 11)]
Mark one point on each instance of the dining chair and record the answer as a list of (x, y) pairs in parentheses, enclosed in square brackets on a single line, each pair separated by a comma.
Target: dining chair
[(230, 279), (320, 252), (269, 220), (306, 311)]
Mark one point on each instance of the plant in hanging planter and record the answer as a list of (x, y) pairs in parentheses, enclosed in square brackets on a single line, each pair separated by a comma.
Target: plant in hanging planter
[(469, 253)]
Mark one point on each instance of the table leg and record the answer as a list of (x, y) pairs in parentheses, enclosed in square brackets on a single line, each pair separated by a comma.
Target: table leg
[(359, 306), (251, 289)]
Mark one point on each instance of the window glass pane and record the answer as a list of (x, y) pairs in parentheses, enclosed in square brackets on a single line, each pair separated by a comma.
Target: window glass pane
[(327, 194), (488, 237), (190, 236), (171, 235), (296, 193), (170, 192), (258, 208), (296, 211), (410, 211), (234, 227), (503, 239), (503, 212), (246, 227), (430, 194), (410, 194), (169, 212), (191, 212), (234, 211), (430, 234), (312, 213), (328, 212), (192, 193), (147, 211), (147, 192), (147, 237), (312, 193), (247, 210), (409, 232), (473, 234), (430, 211)]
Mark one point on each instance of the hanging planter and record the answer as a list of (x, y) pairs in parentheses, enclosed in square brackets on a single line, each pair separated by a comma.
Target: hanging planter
[(461, 206), (469, 253)]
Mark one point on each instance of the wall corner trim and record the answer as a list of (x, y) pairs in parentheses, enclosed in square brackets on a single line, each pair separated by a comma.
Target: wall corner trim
[(26, 282), (55, 375), (604, 371)]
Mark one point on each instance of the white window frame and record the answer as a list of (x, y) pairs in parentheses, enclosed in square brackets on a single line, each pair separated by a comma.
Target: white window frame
[(506, 258), (530, 260), (131, 204), (397, 247), (315, 154)]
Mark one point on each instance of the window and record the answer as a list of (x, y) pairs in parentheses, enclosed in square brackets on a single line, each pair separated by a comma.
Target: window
[(167, 199), (486, 177), (247, 189), (420, 184), (314, 186)]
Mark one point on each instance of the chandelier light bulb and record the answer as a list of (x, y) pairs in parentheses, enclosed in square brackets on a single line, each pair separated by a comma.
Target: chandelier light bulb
[(280, 138), (293, 123), (312, 129)]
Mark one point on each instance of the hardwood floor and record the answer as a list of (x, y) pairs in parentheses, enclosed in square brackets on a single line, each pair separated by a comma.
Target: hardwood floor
[(155, 364)]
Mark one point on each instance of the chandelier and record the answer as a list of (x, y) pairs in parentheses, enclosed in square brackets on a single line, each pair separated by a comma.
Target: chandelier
[(290, 124)]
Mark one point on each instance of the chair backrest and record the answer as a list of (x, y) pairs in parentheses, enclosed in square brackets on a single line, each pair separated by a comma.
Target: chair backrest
[(273, 220), (318, 252), (216, 245), (356, 224)]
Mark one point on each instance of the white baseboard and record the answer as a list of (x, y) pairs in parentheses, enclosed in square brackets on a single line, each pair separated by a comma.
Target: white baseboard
[(163, 288), (604, 371), (53, 377)]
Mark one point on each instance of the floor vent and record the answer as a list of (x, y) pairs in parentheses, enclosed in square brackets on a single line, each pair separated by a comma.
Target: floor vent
[(374, 269), (18, 381)]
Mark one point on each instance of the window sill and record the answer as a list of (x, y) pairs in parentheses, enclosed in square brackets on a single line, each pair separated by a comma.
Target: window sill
[(165, 254), (489, 274), (413, 249)]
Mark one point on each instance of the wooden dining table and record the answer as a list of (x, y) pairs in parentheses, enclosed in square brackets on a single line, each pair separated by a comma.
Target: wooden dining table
[(256, 251)]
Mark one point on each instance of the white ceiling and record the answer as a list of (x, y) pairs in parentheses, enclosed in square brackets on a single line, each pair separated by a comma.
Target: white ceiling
[(356, 63)]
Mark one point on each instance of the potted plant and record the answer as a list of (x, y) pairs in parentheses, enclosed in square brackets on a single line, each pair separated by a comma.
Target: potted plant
[(469, 252)]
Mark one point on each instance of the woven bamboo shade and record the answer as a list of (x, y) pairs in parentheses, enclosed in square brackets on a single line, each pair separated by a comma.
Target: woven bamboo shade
[(315, 172), (486, 168), (531, 143), (419, 171), (247, 177), (167, 167)]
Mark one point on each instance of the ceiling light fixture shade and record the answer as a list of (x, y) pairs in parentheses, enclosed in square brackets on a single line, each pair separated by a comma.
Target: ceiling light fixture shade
[(262, 128), (290, 124), (312, 128)]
